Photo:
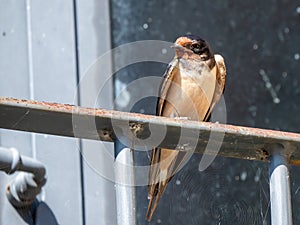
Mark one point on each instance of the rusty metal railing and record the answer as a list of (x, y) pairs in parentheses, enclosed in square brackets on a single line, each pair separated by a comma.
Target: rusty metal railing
[(275, 147)]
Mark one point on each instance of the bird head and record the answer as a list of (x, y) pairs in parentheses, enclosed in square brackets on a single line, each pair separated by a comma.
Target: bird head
[(194, 47)]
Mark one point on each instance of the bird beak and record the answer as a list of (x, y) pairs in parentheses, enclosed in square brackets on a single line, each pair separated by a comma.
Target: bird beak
[(177, 47), (180, 50)]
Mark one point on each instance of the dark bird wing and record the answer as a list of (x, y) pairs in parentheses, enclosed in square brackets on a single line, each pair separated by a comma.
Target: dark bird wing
[(160, 158), (165, 84), (220, 84)]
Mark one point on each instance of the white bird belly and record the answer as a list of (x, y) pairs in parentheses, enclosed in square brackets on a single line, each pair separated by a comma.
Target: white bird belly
[(192, 91)]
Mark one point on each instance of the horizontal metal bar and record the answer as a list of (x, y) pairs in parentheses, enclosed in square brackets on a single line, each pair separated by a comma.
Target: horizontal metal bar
[(100, 124)]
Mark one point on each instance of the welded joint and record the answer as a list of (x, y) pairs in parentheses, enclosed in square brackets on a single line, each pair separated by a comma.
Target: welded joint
[(263, 154), (277, 149), (266, 153), (106, 134)]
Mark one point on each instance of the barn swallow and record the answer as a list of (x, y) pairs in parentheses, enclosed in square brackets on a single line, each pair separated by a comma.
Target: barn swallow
[(191, 87)]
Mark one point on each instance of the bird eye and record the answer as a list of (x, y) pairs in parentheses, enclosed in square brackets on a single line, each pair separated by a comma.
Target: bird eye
[(196, 46)]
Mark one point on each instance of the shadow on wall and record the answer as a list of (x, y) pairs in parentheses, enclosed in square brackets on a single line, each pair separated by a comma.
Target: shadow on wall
[(44, 215), (39, 213)]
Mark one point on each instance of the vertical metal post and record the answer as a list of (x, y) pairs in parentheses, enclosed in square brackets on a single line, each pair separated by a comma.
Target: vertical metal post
[(280, 194), (125, 185)]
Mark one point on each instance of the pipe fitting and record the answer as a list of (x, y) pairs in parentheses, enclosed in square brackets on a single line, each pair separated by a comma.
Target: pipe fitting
[(24, 188)]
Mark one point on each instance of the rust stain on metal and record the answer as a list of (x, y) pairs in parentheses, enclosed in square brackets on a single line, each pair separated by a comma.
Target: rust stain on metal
[(263, 154)]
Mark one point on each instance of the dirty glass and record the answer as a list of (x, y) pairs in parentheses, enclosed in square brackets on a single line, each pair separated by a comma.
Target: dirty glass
[(259, 41)]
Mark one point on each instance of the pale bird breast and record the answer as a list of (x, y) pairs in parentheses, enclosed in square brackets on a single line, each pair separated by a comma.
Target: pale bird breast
[(192, 90)]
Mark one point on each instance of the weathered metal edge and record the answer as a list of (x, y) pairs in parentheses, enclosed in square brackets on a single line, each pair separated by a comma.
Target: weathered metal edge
[(238, 142)]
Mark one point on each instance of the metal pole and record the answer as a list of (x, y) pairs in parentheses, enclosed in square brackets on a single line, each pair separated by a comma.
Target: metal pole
[(280, 194), (125, 188)]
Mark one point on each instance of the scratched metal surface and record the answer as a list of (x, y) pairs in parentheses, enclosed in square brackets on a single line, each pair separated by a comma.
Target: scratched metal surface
[(73, 121)]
